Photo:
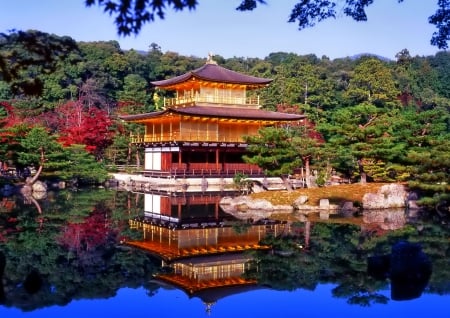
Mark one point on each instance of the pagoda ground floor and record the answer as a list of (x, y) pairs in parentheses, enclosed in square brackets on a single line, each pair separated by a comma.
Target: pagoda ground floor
[(198, 160), (198, 167)]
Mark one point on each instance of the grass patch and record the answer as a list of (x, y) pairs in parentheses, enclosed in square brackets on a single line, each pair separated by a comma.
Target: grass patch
[(336, 194)]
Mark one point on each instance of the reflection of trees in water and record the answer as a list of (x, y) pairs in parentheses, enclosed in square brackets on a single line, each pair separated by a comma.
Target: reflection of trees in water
[(86, 236), (91, 266), (338, 254), (93, 222)]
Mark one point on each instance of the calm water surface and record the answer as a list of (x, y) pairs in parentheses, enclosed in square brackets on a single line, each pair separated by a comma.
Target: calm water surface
[(114, 253)]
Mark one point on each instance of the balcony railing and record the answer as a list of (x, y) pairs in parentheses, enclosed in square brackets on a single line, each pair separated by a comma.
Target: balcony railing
[(211, 99), (207, 169), (174, 137)]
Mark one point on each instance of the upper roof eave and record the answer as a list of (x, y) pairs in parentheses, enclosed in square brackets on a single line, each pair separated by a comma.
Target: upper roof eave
[(138, 117), (214, 73)]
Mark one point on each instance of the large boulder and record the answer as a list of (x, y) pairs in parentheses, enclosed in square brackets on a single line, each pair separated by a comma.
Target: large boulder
[(302, 199), (388, 196), (39, 190), (37, 186)]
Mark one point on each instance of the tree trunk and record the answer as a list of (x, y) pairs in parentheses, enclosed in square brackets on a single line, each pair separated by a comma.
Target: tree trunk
[(30, 199), (138, 160), (362, 173), (129, 154), (287, 184), (30, 181), (308, 182)]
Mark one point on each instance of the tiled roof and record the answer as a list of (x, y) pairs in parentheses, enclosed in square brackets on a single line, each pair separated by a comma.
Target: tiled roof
[(214, 73), (220, 112), (238, 113), (142, 116)]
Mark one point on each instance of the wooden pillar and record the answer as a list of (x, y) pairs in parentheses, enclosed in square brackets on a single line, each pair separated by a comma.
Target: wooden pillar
[(153, 132), (217, 158), (188, 160), (169, 161), (224, 159), (216, 210)]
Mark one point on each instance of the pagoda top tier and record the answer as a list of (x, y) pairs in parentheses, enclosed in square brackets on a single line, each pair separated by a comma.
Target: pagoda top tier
[(210, 72)]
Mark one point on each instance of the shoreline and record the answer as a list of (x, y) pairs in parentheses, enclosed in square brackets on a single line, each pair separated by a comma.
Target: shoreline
[(139, 182)]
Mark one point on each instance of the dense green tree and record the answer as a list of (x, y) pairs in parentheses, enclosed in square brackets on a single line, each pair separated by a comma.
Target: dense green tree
[(417, 80), (62, 84), (173, 64), (5, 91), (26, 56), (81, 166), (361, 131), (134, 96), (297, 80), (441, 64), (271, 151), (119, 152), (10, 143), (428, 133), (35, 147), (152, 61), (372, 82), (101, 77), (280, 150), (308, 149), (39, 150)]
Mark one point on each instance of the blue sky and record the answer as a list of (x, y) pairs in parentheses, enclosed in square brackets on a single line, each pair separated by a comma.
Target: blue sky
[(215, 26)]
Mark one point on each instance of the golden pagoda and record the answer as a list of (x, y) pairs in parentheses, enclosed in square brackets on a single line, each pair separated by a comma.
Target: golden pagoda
[(200, 131)]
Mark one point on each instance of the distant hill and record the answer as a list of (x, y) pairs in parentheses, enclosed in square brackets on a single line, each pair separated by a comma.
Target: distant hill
[(358, 56), (353, 57)]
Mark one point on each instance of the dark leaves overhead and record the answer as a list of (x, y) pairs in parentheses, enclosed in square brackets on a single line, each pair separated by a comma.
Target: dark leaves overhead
[(307, 13), (356, 9), (23, 55), (131, 15), (441, 19), (248, 5)]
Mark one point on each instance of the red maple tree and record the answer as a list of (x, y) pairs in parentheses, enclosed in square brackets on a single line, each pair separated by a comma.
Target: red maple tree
[(10, 119), (90, 127)]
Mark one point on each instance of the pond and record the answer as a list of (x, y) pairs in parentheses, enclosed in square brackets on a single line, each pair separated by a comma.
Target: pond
[(116, 253)]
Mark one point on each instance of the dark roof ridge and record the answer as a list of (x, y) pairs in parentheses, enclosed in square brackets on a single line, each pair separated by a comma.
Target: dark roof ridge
[(215, 73)]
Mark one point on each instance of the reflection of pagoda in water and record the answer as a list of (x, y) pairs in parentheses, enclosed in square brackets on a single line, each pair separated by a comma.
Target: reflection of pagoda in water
[(204, 248)]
